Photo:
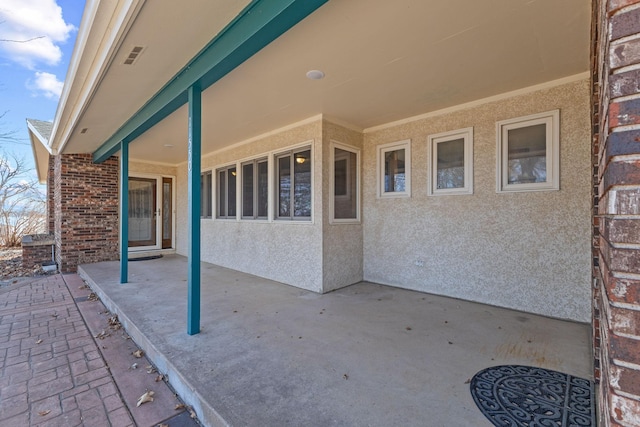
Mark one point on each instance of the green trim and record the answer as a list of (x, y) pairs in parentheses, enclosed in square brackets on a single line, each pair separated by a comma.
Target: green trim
[(254, 28), (124, 212), (193, 209)]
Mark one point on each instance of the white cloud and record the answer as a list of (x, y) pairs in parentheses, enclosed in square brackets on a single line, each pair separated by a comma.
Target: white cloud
[(46, 84), (31, 31)]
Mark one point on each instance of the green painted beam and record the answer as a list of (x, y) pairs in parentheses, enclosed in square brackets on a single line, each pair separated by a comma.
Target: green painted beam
[(124, 212), (193, 209), (254, 28)]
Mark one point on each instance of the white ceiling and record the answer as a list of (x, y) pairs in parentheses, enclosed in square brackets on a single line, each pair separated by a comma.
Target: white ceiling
[(384, 61)]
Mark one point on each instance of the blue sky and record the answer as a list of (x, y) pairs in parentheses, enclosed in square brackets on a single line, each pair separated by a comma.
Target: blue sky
[(32, 73)]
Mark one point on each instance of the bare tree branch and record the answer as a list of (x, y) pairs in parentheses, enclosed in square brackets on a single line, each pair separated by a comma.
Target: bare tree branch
[(21, 41), (10, 136), (22, 206)]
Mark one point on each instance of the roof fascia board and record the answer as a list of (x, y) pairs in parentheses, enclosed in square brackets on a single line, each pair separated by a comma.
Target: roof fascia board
[(255, 27), (122, 17), (41, 152), (39, 136)]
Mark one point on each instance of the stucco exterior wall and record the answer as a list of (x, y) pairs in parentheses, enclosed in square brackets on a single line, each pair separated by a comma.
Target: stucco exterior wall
[(287, 251), (151, 168), (342, 243), (528, 251)]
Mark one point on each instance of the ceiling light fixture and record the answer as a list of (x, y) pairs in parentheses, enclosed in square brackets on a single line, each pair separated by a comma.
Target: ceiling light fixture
[(315, 75)]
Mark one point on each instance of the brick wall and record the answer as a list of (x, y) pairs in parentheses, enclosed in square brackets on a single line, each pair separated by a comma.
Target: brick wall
[(616, 130), (36, 249), (50, 199), (85, 210)]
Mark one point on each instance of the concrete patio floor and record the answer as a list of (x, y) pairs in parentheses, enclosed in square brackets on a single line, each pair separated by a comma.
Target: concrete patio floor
[(367, 355)]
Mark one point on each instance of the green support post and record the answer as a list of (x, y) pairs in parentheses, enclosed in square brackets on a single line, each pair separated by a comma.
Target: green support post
[(193, 208), (124, 212)]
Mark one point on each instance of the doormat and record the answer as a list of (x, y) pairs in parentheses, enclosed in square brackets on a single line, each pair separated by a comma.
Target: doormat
[(514, 395), (146, 258)]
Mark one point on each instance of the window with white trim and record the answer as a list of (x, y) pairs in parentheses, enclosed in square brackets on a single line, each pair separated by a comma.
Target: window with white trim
[(528, 153), (226, 192), (255, 189), (394, 169), (206, 192), (293, 184), (345, 183), (451, 156)]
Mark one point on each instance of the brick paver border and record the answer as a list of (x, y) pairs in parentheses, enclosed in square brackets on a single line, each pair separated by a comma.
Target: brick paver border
[(51, 371)]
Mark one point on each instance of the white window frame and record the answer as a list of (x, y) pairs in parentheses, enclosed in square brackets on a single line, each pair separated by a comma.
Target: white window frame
[(274, 201), (210, 195), (552, 121), (432, 181), (216, 193), (332, 220), (255, 161), (393, 146)]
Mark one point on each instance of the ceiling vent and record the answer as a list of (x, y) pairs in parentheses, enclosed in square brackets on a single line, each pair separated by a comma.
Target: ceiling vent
[(133, 55)]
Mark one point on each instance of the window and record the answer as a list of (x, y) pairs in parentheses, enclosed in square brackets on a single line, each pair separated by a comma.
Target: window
[(528, 151), (293, 183), (226, 192), (206, 190), (394, 169), (345, 183), (255, 189), (451, 156)]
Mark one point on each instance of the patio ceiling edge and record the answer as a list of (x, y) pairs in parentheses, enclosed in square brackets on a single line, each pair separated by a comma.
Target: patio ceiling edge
[(255, 27)]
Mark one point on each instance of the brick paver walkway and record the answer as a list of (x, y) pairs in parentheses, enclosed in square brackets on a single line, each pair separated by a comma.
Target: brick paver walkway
[(51, 371)]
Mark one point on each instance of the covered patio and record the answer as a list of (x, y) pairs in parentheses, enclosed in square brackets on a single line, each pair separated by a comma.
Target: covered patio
[(368, 354)]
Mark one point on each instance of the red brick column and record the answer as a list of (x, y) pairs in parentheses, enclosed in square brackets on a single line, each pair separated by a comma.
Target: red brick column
[(86, 210), (616, 125), (51, 221)]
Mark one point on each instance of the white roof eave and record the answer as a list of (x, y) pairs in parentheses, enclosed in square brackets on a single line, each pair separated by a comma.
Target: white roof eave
[(103, 27)]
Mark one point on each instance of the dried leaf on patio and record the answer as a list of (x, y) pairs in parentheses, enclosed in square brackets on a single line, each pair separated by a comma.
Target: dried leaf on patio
[(134, 366), (180, 406), (468, 381), (138, 353), (163, 425), (102, 335), (192, 413), (92, 297), (39, 341), (159, 378), (43, 413), (345, 376), (147, 397), (150, 369), (114, 322)]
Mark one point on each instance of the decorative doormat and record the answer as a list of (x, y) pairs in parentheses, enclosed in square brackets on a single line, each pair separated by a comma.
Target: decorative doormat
[(146, 258), (514, 395)]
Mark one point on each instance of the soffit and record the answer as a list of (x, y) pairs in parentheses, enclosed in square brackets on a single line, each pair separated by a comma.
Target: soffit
[(384, 61), (171, 33)]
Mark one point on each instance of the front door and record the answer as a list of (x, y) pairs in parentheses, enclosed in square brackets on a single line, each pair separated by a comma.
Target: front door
[(167, 213), (142, 212), (150, 213)]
